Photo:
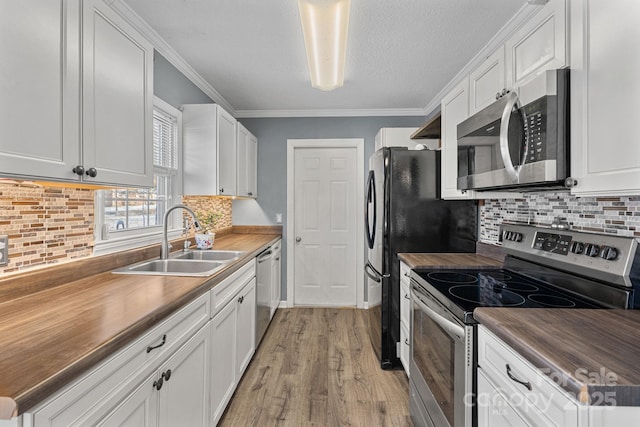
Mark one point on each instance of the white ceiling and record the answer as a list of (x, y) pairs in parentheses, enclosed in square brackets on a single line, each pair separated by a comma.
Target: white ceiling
[(400, 53)]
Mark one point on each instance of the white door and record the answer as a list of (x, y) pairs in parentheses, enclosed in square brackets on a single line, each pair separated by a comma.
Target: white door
[(325, 206)]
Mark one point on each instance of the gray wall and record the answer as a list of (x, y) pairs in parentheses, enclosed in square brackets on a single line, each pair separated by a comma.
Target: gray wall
[(173, 87), (272, 137)]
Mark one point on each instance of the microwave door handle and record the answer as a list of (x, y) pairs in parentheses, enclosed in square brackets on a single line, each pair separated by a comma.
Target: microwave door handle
[(512, 101), (452, 328)]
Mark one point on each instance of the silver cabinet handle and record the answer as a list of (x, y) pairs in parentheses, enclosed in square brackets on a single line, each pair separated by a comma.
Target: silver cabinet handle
[(504, 137), (298, 239)]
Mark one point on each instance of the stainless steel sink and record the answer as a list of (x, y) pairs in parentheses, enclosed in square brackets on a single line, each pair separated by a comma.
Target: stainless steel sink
[(210, 255), (173, 267)]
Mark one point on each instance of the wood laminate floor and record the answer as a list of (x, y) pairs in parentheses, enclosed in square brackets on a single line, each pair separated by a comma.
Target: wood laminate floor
[(316, 367)]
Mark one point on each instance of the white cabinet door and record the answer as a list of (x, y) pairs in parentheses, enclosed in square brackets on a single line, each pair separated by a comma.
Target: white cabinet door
[(184, 396), (454, 109), (539, 45), (246, 327), (494, 409), (226, 153), (486, 82), (139, 409), (247, 162), (252, 166), (117, 99), (605, 153), (209, 150), (40, 88), (223, 360)]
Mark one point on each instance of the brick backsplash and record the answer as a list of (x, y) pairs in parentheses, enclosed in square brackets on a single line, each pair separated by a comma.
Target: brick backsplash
[(221, 205), (47, 225), (611, 215)]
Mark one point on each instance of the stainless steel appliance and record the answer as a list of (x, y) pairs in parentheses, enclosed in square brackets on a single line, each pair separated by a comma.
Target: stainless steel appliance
[(263, 292), (521, 140), (404, 213), (544, 268)]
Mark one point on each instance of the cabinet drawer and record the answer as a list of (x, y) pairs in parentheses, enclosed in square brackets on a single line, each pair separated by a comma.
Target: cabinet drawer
[(405, 274), (124, 370), (544, 397), (405, 304), (224, 291), (405, 347)]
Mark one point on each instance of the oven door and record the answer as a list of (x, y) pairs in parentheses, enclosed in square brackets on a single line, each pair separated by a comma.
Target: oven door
[(441, 364)]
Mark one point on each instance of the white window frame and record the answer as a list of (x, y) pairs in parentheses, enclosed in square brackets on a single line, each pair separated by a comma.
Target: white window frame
[(109, 242)]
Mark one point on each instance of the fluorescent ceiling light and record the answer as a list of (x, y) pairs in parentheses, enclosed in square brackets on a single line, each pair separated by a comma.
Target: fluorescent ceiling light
[(325, 24)]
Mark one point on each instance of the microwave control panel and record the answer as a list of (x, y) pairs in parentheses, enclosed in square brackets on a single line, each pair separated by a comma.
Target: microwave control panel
[(536, 130)]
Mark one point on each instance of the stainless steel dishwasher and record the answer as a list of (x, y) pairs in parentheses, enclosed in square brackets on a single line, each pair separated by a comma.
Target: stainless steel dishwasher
[(263, 293)]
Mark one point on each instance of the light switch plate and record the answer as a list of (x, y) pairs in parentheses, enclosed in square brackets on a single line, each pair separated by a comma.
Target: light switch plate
[(4, 250)]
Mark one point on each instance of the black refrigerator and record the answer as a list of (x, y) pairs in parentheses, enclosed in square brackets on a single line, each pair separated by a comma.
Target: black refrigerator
[(404, 213)]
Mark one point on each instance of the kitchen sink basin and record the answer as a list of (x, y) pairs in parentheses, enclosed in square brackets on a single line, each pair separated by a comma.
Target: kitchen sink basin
[(210, 255), (173, 267)]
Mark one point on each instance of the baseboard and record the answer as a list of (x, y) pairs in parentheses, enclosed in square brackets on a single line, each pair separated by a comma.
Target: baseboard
[(283, 304)]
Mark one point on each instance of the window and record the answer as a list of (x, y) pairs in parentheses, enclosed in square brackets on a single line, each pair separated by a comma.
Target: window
[(133, 216)]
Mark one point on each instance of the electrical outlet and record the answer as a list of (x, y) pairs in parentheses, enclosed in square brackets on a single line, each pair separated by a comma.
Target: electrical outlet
[(4, 250), (278, 218)]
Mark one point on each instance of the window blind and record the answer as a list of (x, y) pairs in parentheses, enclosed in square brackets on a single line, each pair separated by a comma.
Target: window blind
[(165, 140)]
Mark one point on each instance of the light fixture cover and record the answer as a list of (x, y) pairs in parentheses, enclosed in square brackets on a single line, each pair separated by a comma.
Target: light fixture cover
[(325, 24)]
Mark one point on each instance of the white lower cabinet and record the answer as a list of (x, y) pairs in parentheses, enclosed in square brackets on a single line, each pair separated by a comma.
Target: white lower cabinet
[(139, 409), (232, 337), (405, 315), (513, 392), (182, 372), (176, 394)]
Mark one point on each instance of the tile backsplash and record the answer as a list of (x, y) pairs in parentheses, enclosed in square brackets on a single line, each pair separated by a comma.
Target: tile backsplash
[(612, 215), (47, 225)]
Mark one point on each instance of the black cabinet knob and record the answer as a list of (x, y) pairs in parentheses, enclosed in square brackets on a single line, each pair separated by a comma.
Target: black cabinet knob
[(166, 375), (78, 170), (158, 384), (92, 172)]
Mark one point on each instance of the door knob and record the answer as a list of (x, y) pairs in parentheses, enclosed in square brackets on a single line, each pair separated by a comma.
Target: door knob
[(298, 239)]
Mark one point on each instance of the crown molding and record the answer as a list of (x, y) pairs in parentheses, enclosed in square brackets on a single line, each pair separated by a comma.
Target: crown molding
[(523, 15), (377, 112), (161, 45)]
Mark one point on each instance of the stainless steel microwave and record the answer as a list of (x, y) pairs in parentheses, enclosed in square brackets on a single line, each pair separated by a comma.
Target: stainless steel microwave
[(519, 142)]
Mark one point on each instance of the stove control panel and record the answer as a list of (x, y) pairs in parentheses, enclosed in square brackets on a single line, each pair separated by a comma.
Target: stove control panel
[(608, 257)]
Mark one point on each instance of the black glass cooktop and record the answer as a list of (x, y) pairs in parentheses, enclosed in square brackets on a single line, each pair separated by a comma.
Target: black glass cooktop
[(464, 290)]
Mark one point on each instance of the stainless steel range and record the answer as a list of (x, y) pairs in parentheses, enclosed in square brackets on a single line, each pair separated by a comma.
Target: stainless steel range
[(544, 268)]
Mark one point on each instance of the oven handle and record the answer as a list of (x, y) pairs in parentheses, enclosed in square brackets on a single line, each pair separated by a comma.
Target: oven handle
[(504, 137), (451, 327)]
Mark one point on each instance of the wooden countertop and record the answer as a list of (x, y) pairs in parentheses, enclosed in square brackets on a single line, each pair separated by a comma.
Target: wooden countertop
[(588, 352), (52, 336), (448, 261)]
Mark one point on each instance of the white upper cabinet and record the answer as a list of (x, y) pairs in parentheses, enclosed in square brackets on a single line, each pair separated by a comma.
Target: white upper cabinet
[(454, 109), (209, 145), (486, 82), (117, 99), (39, 88), (49, 94), (247, 163), (605, 63), (539, 45)]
